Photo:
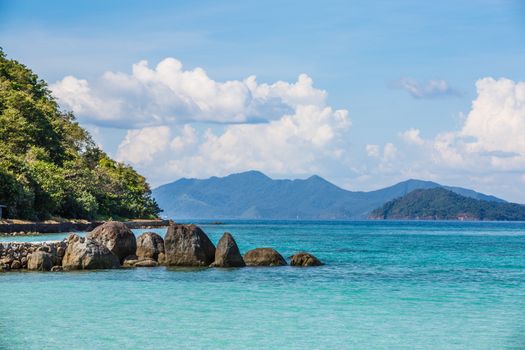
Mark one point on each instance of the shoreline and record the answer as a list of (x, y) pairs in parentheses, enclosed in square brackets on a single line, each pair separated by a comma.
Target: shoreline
[(40, 228)]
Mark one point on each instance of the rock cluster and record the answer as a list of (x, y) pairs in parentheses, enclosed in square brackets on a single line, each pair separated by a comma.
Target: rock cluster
[(113, 245), (28, 255)]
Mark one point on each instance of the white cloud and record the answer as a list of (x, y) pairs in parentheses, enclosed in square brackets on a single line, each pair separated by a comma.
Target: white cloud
[(187, 139), (428, 89), (140, 146), (389, 152), (373, 151), (169, 94), (497, 118), (303, 142), (412, 136)]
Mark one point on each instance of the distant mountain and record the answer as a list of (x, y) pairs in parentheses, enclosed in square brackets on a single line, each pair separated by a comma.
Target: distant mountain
[(253, 195), (442, 204)]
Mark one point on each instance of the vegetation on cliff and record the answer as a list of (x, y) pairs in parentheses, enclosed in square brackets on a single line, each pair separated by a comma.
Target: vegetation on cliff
[(50, 166), (442, 204)]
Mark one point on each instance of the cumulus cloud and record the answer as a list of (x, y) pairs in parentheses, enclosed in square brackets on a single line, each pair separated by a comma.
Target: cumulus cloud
[(302, 142), (168, 93), (492, 136), (412, 135), (388, 153), (373, 151), (140, 146), (428, 89)]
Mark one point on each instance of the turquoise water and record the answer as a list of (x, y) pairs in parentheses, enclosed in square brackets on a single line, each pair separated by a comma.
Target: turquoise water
[(385, 285)]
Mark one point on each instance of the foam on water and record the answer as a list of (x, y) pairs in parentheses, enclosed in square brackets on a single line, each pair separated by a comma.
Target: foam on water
[(385, 285)]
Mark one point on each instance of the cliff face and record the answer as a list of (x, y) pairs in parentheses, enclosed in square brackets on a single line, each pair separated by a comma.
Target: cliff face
[(442, 204)]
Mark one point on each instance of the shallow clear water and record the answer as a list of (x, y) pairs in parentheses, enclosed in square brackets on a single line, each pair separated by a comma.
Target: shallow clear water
[(390, 285)]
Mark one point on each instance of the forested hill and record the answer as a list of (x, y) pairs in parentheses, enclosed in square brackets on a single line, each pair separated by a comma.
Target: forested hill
[(49, 165), (442, 204)]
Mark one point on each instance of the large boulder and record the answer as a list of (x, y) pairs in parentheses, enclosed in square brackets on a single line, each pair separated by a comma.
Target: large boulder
[(227, 253), (304, 259), (117, 237), (264, 257), (40, 261), (83, 253), (187, 245), (149, 246)]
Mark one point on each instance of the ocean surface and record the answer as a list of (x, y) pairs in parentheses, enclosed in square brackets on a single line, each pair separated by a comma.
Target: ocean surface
[(385, 285)]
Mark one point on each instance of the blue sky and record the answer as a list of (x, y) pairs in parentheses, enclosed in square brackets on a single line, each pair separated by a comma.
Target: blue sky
[(394, 67)]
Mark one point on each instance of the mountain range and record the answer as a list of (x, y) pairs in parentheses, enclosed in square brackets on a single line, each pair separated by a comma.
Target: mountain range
[(253, 195)]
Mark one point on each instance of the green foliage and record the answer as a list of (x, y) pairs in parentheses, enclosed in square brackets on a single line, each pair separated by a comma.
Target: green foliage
[(442, 204), (49, 165)]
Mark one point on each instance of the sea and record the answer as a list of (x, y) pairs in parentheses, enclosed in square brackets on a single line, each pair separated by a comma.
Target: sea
[(384, 285)]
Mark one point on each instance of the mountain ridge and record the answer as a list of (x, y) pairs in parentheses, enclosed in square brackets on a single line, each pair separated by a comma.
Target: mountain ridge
[(254, 195)]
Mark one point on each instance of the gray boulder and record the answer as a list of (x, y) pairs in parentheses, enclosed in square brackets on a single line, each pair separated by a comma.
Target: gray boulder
[(304, 259), (117, 237), (264, 257), (83, 253), (149, 246), (40, 261), (227, 253), (187, 245)]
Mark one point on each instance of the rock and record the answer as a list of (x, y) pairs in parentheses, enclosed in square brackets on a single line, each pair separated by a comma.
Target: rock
[(117, 237), (40, 261), (304, 259), (130, 262), (187, 245), (15, 265), (57, 269), (264, 257), (83, 253), (227, 253), (61, 251), (161, 258), (146, 263), (149, 246)]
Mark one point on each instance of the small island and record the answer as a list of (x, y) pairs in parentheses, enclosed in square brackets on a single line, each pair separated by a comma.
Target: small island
[(442, 204)]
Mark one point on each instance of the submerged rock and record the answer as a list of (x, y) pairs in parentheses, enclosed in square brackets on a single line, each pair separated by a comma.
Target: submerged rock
[(57, 269), (149, 246), (264, 257), (117, 237), (304, 259), (40, 261), (227, 253), (187, 245), (83, 253)]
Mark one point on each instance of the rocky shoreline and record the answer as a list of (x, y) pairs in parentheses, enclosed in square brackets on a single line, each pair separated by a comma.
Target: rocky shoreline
[(39, 228), (112, 245)]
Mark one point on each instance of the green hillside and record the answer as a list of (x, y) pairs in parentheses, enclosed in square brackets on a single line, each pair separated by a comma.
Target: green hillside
[(50, 166), (442, 204)]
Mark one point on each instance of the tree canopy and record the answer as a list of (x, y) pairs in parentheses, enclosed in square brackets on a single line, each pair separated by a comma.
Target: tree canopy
[(49, 164)]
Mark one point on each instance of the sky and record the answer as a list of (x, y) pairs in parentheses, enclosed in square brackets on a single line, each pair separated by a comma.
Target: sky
[(362, 93)]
